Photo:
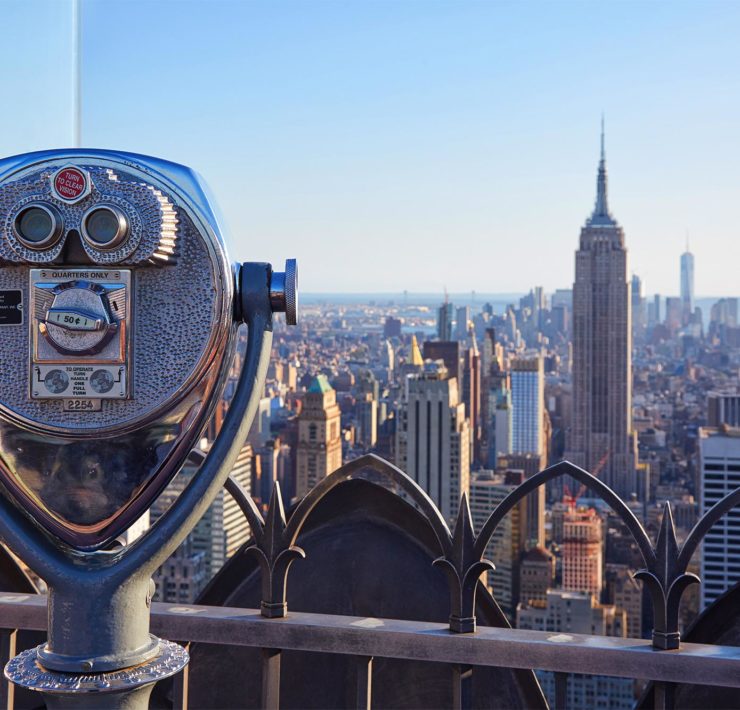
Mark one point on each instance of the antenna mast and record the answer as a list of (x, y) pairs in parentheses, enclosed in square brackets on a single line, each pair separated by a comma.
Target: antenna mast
[(77, 74)]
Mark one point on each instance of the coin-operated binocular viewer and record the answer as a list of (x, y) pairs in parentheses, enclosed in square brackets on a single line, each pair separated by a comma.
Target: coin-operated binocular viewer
[(118, 316)]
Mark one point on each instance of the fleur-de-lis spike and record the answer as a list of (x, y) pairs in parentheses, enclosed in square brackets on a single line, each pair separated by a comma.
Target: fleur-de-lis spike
[(666, 548), (666, 581), (463, 536), (274, 522), (463, 568), (275, 554)]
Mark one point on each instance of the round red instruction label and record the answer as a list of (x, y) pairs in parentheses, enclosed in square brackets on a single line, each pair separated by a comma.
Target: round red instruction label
[(70, 183)]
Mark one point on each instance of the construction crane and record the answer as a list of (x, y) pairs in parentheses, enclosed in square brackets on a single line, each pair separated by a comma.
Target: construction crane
[(568, 498)]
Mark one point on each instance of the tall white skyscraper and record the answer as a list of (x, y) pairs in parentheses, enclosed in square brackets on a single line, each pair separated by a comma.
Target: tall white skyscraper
[(719, 475), (528, 405), (687, 285), (528, 436), (433, 437)]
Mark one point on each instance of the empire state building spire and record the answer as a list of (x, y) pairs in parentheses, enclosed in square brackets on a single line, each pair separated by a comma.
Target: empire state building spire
[(601, 214), (602, 439)]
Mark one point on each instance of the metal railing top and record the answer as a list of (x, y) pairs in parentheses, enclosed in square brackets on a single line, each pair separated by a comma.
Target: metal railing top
[(419, 640)]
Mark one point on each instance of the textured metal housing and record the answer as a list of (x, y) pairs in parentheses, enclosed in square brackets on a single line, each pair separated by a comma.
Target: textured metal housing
[(183, 332)]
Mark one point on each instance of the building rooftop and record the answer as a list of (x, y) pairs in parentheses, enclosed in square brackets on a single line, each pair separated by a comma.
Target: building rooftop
[(320, 385), (538, 553), (723, 430), (416, 359)]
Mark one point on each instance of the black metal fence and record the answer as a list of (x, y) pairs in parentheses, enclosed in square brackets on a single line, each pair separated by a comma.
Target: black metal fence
[(664, 573), (460, 643)]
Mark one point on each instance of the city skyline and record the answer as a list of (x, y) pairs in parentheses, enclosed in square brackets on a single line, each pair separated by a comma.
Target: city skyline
[(471, 129)]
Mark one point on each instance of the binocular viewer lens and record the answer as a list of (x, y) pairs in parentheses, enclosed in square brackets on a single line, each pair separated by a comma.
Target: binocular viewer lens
[(104, 227), (38, 226)]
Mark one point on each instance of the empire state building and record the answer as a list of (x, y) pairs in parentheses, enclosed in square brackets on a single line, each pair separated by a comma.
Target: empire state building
[(601, 438)]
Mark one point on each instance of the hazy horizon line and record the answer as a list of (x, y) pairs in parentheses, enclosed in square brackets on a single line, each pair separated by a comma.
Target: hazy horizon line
[(467, 294)]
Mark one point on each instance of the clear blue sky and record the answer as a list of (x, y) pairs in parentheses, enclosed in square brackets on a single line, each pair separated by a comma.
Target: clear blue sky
[(411, 144)]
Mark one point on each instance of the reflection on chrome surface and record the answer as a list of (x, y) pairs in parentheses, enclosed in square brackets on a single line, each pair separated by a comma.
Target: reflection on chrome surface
[(82, 482)]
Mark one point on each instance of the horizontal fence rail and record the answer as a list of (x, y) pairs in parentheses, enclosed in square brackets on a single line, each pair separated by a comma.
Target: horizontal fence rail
[(419, 640)]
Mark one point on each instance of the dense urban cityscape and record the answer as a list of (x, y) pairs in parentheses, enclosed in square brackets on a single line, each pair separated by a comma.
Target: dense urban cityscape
[(473, 399), (385, 374)]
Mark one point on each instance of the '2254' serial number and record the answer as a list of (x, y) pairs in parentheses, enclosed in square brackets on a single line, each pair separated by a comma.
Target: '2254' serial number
[(82, 405)]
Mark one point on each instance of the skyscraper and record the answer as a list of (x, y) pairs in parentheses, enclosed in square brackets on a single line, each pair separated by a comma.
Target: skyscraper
[(601, 438), (487, 402), (625, 592), (687, 285), (271, 463), (444, 321), (366, 416), (392, 327), (449, 352), (528, 437), (471, 392), (502, 422), (638, 307), (461, 322), (536, 574), (216, 537), (673, 314), (723, 408), (653, 312), (433, 437), (656, 308), (528, 401), (582, 554), (319, 451), (719, 475), (507, 543), (387, 360)]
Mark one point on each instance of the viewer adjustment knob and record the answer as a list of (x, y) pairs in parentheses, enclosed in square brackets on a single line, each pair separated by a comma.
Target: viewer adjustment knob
[(284, 292)]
